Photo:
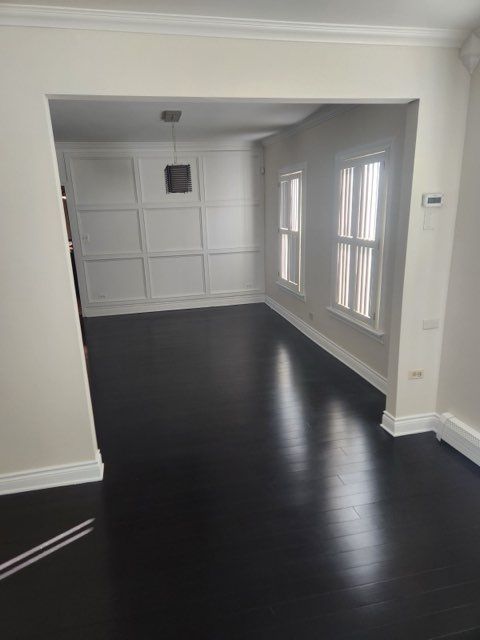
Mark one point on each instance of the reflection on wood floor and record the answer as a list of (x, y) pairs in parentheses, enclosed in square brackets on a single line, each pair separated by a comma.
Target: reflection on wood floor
[(248, 493)]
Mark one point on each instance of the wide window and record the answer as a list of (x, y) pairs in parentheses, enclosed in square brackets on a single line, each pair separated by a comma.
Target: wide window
[(291, 229), (358, 245)]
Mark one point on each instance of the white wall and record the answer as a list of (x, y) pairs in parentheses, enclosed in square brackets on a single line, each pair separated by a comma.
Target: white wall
[(138, 248), (45, 412), (460, 367), (317, 147)]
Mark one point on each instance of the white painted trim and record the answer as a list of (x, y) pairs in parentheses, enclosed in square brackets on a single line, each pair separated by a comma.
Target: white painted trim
[(357, 156), (317, 118), (93, 307), (284, 286), (353, 322), (299, 167), (363, 370), (408, 425), (47, 477), (198, 145), (460, 436), (171, 305), (220, 27)]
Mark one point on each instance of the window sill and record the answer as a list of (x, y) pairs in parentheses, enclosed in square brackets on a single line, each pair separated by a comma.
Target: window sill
[(297, 294), (376, 334)]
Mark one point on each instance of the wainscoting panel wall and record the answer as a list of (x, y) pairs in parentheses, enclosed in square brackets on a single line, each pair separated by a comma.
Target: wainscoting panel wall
[(138, 248)]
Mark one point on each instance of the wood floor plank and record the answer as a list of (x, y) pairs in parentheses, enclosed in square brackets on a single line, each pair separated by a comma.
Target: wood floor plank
[(248, 493)]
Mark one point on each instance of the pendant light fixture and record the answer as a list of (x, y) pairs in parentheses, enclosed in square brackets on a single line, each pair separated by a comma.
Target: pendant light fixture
[(178, 177)]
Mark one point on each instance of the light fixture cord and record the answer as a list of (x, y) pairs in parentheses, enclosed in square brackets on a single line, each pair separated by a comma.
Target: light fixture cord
[(174, 144)]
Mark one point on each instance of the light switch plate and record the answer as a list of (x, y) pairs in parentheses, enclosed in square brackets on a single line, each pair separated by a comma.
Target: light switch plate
[(431, 323)]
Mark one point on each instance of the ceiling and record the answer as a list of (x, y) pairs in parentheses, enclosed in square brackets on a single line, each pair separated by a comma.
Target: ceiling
[(403, 13), (139, 121)]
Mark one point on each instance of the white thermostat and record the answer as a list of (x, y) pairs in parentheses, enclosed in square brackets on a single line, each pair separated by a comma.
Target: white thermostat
[(432, 200)]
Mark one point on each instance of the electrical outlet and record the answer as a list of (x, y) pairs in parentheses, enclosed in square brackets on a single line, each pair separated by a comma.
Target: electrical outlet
[(101, 296), (415, 374), (248, 285), (310, 315)]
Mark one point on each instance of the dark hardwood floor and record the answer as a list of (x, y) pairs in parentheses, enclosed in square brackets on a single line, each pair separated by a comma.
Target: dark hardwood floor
[(248, 493)]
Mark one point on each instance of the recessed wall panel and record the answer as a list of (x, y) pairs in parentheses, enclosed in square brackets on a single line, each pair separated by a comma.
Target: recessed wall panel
[(232, 226), (252, 188), (176, 276), (113, 279), (103, 180), (134, 243), (106, 232), (173, 229), (152, 180), (240, 271), (231, 175)]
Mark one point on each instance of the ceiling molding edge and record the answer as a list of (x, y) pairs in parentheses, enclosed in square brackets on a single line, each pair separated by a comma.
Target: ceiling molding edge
[(217, 27), (470, 51), (323, 114), (224, 144)]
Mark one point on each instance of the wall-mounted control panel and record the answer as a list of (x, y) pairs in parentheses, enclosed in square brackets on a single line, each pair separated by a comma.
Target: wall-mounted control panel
[(432, 200)]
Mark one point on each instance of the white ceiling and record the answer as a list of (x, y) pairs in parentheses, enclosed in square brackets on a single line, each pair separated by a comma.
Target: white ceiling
[(139, 121), (404, 13)]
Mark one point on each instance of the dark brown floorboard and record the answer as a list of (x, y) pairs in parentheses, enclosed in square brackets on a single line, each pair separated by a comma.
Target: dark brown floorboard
[(249, 493)]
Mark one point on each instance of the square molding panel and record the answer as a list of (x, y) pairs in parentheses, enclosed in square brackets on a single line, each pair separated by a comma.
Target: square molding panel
[(115, 279), (96, 235), (173, 229), (138, 248), (103, 180), (233, 226), (239, 271), (177, 276)]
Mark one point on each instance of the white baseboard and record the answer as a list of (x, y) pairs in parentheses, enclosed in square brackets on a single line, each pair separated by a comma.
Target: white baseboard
[(459, 435), (48, 477), (171, 305), (462, 437), (408, 425), (363, 370)]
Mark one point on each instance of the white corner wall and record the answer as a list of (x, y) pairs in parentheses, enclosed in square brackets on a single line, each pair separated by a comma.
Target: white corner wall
[(138, 248), (460, 366), (45, 411), (317, 146)]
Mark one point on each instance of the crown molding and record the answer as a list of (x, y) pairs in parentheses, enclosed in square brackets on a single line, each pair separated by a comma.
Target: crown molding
[(198, 145), (218, 27), (470, 51), (323, 114)]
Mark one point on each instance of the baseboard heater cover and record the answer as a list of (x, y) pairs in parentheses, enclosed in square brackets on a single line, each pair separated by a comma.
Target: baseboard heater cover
[(460, 436)]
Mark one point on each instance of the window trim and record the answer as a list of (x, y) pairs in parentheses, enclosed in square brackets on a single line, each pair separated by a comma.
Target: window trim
[(354, 157), (377, 334), (300, 167)]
